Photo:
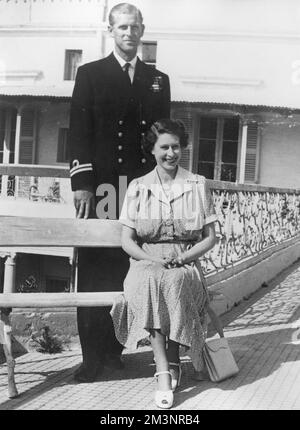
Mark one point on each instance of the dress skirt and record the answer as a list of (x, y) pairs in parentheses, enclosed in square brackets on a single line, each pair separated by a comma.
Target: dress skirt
[(170, 300)]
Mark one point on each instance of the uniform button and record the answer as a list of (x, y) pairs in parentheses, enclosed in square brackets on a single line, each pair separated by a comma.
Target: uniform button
[(144, 122), (143, 160), (120, 160), (120, 147), (120, 122), (120, 134), (143, 134)]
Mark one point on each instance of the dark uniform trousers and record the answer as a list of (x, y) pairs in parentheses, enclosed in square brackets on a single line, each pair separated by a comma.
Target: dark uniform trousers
[(108, 119)]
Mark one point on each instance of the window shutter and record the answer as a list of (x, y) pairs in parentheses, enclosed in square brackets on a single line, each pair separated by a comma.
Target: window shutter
[(26, 149), (27, 137), (2, 133), (185, 115), (251, 153), (62, 146)]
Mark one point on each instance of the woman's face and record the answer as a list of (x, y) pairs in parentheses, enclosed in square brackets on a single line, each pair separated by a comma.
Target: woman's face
[(167, 151)]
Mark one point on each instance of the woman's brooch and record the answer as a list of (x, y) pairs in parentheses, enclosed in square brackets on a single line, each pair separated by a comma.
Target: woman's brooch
[(156, 86)]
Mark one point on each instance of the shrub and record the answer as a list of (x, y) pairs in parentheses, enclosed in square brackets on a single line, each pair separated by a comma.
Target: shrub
[(46, 343)]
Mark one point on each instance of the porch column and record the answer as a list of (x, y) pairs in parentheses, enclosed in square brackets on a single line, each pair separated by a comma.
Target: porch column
[(243, 153), (17, 146), (6, 150), (10, 274), (74, 271), (101, 34)]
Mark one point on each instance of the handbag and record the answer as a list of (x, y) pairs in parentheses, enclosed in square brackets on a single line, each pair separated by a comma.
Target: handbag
[(219, 360)]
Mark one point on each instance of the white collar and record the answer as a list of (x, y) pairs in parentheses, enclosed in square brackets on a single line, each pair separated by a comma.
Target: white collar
[(182, 184), (122, 62)]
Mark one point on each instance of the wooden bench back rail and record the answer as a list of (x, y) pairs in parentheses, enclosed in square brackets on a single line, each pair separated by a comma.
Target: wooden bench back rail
[(47, 232), (59, 232)]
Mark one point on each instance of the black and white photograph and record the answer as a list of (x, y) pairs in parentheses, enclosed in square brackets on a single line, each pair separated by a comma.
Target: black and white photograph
[(150, 208)]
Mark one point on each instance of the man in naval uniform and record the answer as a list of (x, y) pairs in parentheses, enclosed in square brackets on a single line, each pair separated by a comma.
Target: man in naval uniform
[(114, 102)]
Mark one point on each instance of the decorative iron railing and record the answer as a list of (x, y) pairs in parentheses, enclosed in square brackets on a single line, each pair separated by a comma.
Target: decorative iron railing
[(36, 188), (251, 219)]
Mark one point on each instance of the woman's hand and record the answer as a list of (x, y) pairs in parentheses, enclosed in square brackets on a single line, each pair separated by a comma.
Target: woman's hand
[(178, 261), (163, 261), (170, 262)]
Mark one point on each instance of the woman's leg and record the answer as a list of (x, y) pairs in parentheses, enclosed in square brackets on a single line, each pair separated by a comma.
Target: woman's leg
[(158, 343)]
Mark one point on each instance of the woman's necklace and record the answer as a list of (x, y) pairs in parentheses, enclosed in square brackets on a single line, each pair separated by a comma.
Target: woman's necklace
[(166, 186)]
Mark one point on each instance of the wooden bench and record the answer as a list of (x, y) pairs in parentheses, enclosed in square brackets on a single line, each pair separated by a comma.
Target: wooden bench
[(46, 232)]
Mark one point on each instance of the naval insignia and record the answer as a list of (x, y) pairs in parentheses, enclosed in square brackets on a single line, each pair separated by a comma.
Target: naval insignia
[(156, 86)]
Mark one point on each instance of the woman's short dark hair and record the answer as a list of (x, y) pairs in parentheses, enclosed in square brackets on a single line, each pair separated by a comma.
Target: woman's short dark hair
[(165, 126)]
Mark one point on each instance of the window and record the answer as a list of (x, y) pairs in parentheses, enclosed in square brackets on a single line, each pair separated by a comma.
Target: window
[(57, 285), (62, 146), (72, 61), (149, 53), (218, 148)]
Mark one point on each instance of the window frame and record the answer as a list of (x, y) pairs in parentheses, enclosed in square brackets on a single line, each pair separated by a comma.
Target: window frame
[(220, 116), (69, 73), (149, 42)]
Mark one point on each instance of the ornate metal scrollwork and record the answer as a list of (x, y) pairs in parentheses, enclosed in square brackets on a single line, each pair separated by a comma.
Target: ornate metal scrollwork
[(250, 222)]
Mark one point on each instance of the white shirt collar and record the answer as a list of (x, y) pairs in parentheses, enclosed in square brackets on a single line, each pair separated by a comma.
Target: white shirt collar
[(122, 62)]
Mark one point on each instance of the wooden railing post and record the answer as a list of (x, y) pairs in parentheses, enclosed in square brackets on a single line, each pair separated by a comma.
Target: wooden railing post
[(73, 278), (7, 348), (9, 287)]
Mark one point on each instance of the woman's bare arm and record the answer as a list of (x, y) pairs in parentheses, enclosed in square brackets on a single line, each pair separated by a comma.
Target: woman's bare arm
[(208, 241), (130, 246)]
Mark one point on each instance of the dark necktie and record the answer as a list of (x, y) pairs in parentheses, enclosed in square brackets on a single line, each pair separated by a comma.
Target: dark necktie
[(126, 72)]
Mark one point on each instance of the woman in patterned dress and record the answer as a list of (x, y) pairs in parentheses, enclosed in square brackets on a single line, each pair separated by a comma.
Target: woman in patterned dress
[(168, 223)]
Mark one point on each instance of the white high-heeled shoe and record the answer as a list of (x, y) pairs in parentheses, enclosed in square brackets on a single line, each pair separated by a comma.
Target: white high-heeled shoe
[(176, 381), (163, 399)]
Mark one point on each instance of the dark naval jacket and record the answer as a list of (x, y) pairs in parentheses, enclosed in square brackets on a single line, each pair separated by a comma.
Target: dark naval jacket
[(108, 119)]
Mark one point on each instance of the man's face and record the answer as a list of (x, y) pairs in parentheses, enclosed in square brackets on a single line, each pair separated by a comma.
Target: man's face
[(127, 31)]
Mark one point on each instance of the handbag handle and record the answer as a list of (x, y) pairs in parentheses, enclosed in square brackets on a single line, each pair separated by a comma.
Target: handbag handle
[(215, 320)]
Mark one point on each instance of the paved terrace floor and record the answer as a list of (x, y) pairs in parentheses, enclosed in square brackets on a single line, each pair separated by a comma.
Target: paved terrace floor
[(264, 334)]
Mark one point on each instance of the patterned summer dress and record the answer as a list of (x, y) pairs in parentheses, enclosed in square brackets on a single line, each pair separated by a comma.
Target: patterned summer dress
[(155, 297)]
